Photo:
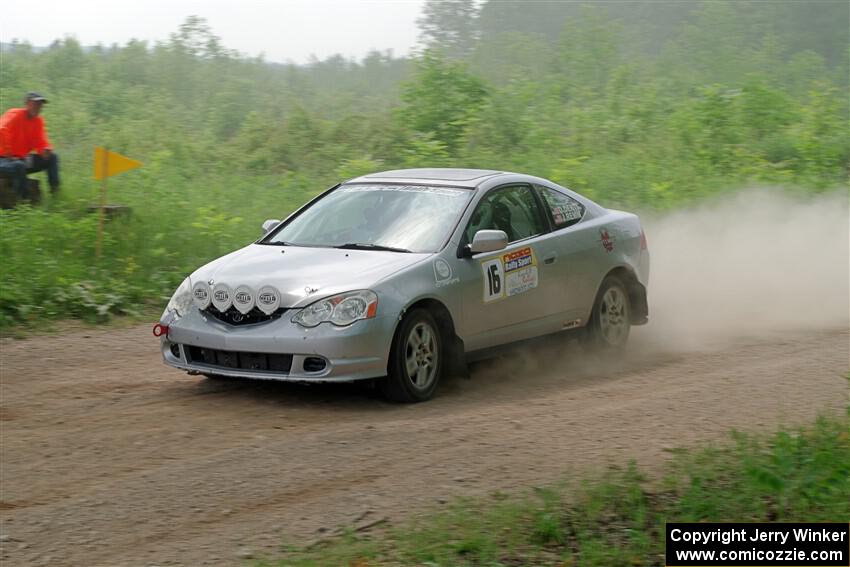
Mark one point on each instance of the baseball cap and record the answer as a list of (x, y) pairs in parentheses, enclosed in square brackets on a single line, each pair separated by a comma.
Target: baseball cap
[(36, 96)]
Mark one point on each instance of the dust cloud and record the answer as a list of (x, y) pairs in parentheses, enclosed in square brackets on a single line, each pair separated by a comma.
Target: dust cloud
[(760, 264), (750, 265)]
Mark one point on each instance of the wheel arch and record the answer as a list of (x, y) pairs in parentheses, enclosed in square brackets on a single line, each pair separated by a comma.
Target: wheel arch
[(452, 343), (636, 291)]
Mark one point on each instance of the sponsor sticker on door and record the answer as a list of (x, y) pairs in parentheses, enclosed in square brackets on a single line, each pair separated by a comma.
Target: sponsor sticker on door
[(509, 274), (520, 271)]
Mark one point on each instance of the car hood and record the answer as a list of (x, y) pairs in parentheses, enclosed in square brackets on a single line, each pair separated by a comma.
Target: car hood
[(303, 274)]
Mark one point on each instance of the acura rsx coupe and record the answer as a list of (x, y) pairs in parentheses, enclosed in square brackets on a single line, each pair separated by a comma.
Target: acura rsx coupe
[(402, 276)]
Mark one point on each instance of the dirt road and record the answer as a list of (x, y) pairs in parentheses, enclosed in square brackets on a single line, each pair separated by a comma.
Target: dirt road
[(111, 458)]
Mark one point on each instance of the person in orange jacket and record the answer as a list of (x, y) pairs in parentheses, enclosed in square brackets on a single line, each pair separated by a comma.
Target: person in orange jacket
[(24, 147)]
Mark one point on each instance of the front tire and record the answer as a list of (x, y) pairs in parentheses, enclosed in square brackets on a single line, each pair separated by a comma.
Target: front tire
[(610, 319), (416, 359)]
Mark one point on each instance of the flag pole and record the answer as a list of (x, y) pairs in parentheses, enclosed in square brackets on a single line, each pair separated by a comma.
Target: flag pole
[(105, 171)]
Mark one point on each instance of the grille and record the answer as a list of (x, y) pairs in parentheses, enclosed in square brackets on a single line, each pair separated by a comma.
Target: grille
[(237, 359), (233, 317)]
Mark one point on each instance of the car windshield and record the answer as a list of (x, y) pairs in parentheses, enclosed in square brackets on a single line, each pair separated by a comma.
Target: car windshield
[(405, 218)]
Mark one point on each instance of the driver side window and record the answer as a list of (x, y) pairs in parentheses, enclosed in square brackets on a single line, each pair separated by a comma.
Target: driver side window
[(512, 209)]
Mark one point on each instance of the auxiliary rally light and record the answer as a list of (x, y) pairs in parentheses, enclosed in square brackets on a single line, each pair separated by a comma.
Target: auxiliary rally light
[(160, 330)]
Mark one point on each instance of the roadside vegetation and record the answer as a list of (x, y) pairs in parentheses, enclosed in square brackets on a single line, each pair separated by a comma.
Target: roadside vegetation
[(617, 518), (640, 105)]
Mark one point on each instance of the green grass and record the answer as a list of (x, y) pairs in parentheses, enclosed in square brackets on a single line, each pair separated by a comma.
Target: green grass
[(50, 269), (618, 518)]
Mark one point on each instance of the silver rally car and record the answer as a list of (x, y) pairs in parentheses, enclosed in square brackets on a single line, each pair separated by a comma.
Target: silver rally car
[(403, 275)]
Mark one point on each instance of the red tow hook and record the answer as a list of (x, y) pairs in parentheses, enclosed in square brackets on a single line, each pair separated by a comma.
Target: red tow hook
[(160, 330)]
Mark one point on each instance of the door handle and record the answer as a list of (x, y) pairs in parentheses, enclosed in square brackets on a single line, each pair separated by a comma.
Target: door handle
[(551, 258)]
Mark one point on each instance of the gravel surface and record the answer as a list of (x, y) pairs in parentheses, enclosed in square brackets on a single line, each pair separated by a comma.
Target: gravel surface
[(108, 457)]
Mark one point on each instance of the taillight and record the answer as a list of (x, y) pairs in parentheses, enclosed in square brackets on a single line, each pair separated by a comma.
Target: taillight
[(642, 240)]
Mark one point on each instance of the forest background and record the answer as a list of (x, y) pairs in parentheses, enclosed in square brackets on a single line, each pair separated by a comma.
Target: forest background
[(641, 105)]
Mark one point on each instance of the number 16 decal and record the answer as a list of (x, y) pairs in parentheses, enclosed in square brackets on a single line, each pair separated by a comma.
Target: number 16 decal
[(493, 279)]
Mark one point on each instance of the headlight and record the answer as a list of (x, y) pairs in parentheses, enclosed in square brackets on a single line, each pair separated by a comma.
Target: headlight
[(341, 310), (181, 300)]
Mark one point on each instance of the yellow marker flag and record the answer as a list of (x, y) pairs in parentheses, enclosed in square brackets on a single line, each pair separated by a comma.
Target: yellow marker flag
[(107, 164)]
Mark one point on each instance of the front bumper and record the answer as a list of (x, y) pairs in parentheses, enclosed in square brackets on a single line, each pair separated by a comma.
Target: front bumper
[(279, 349)]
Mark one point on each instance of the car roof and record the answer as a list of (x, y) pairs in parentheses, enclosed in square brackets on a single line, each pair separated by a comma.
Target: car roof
[(433, 176)]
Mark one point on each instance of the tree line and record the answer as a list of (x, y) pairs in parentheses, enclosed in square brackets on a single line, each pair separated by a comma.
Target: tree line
[(648, 105)]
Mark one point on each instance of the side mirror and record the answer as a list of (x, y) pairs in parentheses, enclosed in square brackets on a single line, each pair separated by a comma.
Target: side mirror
[(269, 224), (488, 241)]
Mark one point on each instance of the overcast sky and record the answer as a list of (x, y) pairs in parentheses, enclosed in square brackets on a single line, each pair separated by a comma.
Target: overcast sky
[(283, 30)]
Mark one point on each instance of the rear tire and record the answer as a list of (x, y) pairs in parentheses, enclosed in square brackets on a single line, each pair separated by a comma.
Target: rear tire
[(416, 359), (610, 319)]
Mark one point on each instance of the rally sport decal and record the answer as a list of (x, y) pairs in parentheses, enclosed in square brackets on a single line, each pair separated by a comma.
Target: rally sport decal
[(509, 274)]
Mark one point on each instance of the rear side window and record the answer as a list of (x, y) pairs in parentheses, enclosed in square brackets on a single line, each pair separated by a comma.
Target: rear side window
[(562, 209)]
